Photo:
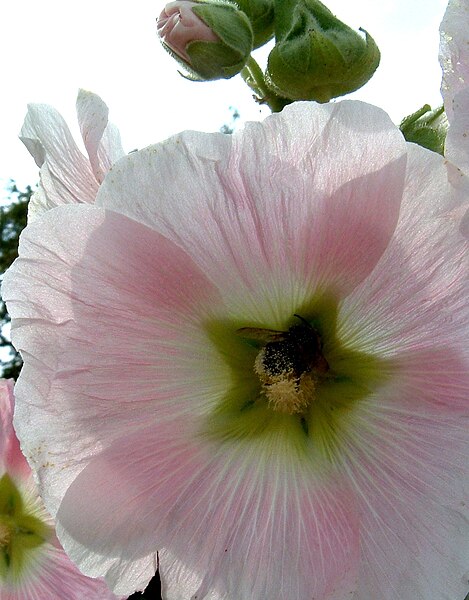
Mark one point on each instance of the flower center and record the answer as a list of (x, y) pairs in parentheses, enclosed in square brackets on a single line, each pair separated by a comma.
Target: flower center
[(21, 531), (289, 365)]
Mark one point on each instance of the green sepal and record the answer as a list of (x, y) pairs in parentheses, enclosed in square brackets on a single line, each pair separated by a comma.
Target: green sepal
[(224, 59), (316, 56), (427, 128), (261, 15)]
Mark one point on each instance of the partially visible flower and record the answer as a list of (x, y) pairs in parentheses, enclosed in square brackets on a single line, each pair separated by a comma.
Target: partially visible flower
[(454, 60), (454, 52), (251, 353), (67, 176), (211, 39), (33, 565)]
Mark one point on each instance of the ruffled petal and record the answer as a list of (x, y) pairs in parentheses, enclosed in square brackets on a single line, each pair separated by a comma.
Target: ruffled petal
[(69, 178), (454, 53), (102, 140), (307, 199)]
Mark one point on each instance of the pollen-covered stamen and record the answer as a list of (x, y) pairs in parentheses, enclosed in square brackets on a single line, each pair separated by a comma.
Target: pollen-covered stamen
[(6, 533)]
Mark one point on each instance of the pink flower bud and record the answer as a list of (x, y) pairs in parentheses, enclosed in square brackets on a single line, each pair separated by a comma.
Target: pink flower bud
[(178, 25)]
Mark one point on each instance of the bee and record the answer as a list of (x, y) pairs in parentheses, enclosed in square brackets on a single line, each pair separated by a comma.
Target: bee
[(288, 364), (292, 352)]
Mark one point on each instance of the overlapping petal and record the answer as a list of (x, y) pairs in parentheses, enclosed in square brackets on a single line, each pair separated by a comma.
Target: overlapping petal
[(278, 214), (415, 300), (67, 176)]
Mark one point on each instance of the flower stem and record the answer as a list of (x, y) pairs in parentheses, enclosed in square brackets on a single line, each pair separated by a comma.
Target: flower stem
[(254, 78)]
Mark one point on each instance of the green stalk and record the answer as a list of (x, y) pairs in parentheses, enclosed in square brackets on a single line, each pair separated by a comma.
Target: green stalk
[(254, 78)]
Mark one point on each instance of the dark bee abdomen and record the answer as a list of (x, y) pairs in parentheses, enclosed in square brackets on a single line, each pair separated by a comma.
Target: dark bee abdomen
[(281, 358)]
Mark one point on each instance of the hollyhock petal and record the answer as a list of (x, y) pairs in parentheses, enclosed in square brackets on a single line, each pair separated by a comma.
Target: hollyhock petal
[(155, 307), (48, 138), (67, 176), (164, 363), (454, 53), (214, 503), (408, 463), (454, 60), (177, 581), (11, 457), (97, 132), (415, 300), (406, 446), (317, 178)]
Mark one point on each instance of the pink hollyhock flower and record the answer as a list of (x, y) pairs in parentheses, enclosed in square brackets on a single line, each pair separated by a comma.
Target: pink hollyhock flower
[(251, 354), (67, 176), (33, 565)]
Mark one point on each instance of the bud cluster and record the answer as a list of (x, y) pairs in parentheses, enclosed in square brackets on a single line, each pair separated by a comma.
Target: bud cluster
[(315, 56)]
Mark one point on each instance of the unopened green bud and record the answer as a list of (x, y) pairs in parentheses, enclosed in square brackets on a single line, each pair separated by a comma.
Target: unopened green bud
[(316, 56), (212, 40), (427, 128), (261, 16)]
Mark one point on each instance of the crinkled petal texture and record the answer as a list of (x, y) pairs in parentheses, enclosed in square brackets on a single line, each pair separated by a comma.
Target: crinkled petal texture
[(454, 52), (47, 572), (117, 309), (271, 210), (67, 176)]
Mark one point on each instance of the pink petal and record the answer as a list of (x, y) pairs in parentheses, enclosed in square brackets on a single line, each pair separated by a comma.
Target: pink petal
[(307, 199), (57, 578), (66, 175), (454, 52), (101, 139), (408, 464), (69, 177), (12, 460), (119, 329), (415, 300), (282, 530)]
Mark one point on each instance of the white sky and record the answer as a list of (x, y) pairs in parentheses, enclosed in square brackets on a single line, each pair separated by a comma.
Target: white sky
[(50, 48)]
